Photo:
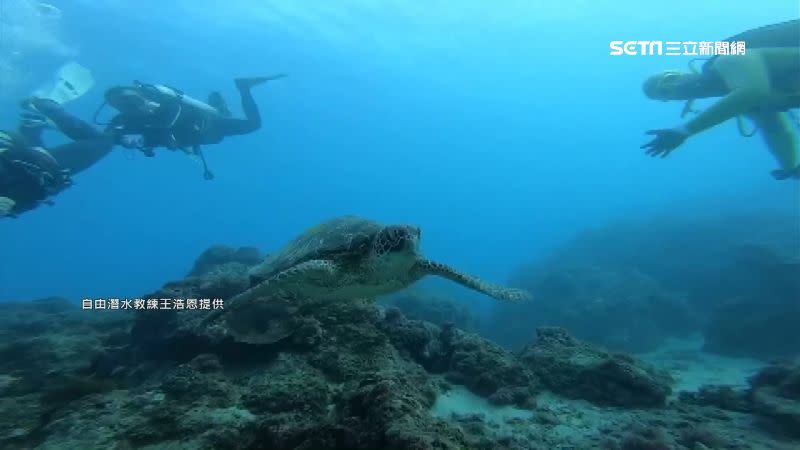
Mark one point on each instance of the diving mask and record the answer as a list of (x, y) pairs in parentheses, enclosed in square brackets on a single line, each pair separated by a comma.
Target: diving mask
[(665, 85)]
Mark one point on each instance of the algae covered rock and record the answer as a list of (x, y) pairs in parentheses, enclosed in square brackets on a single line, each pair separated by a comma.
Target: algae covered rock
[(482, 366), (219, 255), (775, 397), (392, 409), (578, 370)]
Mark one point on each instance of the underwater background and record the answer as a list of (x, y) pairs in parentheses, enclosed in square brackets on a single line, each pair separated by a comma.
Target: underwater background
[(504, 130), (501, 130)]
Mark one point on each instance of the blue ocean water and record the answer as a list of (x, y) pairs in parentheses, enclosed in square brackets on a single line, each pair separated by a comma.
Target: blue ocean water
[(501, 129)]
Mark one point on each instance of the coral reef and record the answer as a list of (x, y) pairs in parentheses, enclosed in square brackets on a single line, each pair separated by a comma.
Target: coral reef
[(732, 277), (220, 255), (466, 359), (775, 398), (578, 370), (348, 375)]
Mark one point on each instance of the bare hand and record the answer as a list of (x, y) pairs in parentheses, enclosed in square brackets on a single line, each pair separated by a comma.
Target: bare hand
[(665, 141)]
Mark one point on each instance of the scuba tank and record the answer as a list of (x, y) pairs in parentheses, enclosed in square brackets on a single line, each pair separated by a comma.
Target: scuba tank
[(164, 94), (145, 98)]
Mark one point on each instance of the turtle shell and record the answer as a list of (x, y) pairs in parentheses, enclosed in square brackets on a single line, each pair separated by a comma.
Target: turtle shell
[(345, 239)]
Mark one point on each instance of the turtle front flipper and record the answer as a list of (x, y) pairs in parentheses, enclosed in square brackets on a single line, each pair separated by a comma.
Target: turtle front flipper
[(425, 267), (282, 284)]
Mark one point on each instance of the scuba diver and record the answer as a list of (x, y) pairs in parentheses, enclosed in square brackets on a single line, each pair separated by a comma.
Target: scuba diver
[(151, 116), (762, 84), (28, 175), (31, 174)]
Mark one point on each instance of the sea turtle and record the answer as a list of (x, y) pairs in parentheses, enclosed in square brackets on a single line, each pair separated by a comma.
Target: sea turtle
[(345, 258)]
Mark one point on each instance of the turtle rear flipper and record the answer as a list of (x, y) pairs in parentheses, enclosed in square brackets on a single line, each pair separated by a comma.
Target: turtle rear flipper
[(263, 322), (427, 267)]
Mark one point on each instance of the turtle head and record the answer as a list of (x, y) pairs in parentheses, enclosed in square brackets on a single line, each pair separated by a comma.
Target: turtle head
[(397, 246)]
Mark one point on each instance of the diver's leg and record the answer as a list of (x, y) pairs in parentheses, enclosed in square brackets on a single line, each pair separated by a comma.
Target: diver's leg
[(778, 133), (252, 122), (80, 155), (73, 127), (235, 127)]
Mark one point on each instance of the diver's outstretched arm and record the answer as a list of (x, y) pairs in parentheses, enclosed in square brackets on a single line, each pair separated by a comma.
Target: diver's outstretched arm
[(747, 78)]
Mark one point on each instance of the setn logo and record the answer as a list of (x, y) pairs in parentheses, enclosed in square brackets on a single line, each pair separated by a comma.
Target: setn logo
[(677, 48), (633, 48)]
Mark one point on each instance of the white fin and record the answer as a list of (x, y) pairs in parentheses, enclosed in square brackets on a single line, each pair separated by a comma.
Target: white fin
[(70, 82)]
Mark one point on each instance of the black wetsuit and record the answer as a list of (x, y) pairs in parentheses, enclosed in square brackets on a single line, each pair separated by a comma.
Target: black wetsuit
[(29, 174), (89, 145), (173, 126), (222, 126)]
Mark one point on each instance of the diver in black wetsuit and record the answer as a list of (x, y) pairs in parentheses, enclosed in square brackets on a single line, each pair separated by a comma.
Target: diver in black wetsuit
[(31, 174), (152, 116)]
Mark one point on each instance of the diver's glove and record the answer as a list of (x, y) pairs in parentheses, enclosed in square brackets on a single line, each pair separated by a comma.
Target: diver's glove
[(40, 105), (34, 121), (134, 141), (665, 141), (35, 112), (6, 206), (131, 141)]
